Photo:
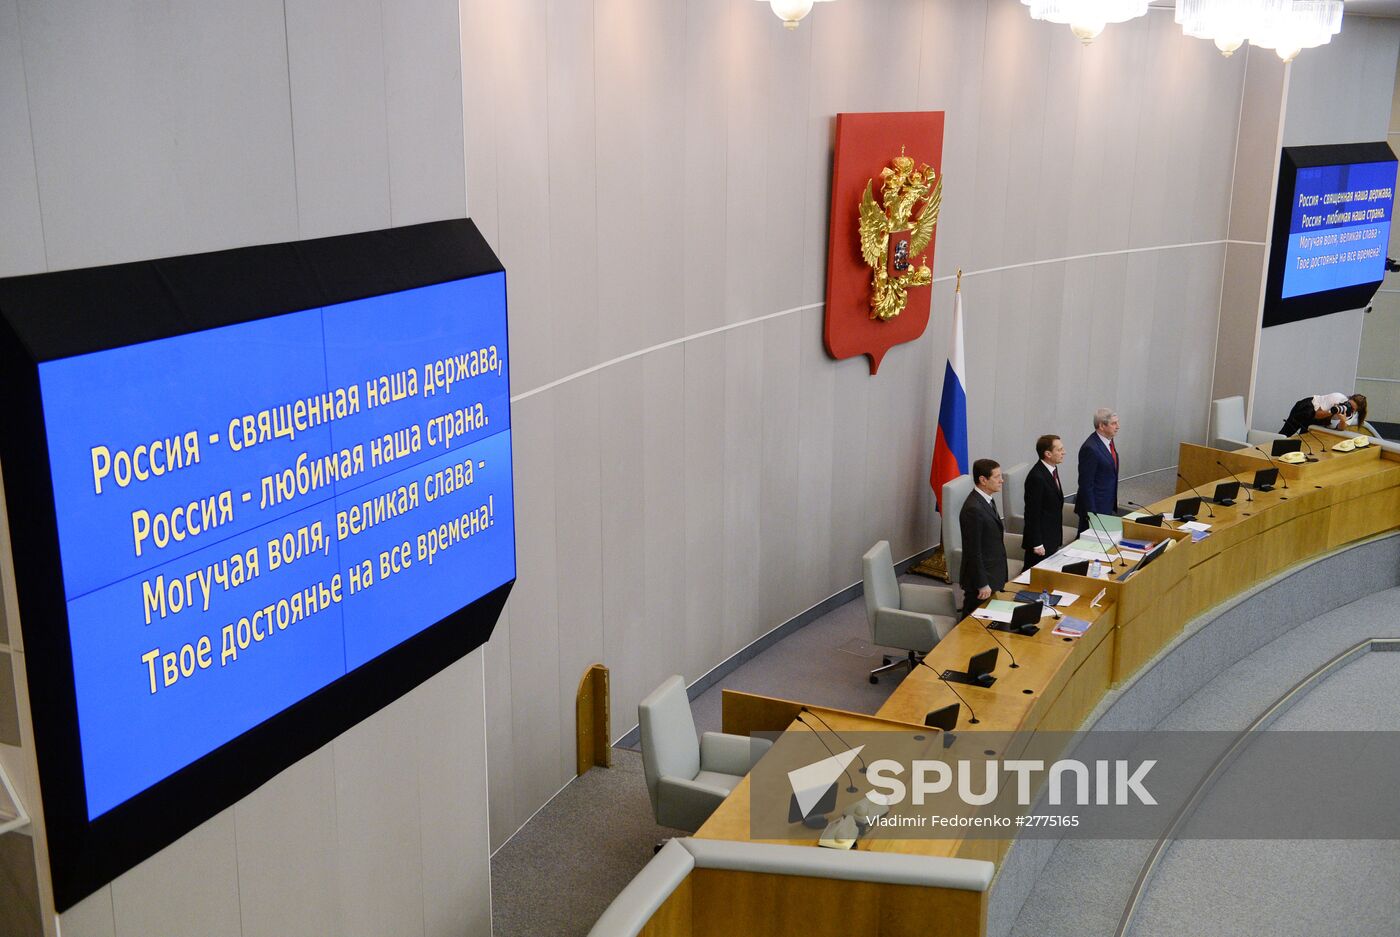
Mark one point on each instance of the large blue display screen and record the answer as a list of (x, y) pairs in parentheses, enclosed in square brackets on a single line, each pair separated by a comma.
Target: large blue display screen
[(248, 513), (1340, 227)]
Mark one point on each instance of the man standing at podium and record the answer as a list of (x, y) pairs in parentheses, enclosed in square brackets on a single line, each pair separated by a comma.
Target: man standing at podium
[(984, 549), (1045, 501), (1098, 469)]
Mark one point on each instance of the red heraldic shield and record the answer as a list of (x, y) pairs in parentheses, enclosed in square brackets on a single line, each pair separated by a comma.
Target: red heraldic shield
[(866, 144)]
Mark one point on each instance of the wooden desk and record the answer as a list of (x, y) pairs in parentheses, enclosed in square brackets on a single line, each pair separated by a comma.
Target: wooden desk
[(1340, 499)]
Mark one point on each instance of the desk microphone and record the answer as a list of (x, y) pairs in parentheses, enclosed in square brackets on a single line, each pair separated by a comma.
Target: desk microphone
[(1236, 478), (973, 720), (1204, 500), (987, 626), (1142, 507), (851, 788), (814, 715), (1303, 438), (1045, 601), (1272, 464), (1108, 537)]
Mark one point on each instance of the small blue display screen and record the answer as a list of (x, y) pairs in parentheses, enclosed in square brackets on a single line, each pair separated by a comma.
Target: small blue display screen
[(1340, 227), (248, 513)]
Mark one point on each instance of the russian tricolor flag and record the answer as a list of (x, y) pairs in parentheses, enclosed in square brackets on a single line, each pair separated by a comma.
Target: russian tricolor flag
[(950, 444)]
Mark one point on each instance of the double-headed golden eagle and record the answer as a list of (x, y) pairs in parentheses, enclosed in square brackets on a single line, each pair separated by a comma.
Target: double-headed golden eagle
[(903, 189)]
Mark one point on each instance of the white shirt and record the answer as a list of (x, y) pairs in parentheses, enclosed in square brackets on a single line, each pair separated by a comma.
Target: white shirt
[(988, 497), (1327, 402), (1049, 468), (1107, 443)]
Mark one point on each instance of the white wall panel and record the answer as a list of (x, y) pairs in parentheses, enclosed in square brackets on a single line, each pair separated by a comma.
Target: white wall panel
[(335, 57), (578, 472), (91, 917), (703, 167), (1341, 92), (571, 138), (505, 817), (159, 130), (522, 195), (780, 524), (663, 494), (22, 234), (742, 461), (190, 887), (625, 632), (452, 814), (534, 612), (423, 102), (849, 457), (481, 73), (705, 583), (379, 842), (640, 99), (817, 433), (287, 852)]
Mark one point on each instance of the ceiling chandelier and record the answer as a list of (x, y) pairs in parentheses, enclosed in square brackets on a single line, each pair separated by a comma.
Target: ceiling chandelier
[(1286, 26), (1303, 24), (1086, 18)]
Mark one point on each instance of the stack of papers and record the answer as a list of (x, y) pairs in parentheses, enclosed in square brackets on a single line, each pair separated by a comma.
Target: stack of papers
[(996, 610)]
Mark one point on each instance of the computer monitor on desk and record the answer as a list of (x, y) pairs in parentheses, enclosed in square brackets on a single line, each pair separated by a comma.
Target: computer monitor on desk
[(1226, 492), (1285, 446), (1264, 479), (1186, 508), (979, 670)]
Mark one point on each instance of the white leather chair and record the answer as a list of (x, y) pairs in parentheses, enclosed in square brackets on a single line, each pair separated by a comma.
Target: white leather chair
[(955, 493), (1227, 426), (903, 615), (687, 779), (1013, 497)]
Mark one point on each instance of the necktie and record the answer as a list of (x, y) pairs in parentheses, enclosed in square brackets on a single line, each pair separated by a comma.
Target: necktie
[(1113, 449), (1058, 487)]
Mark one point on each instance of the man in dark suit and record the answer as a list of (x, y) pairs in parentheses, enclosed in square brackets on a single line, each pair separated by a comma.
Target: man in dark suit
[(1045, 500), (984, 551), (1098, 469)]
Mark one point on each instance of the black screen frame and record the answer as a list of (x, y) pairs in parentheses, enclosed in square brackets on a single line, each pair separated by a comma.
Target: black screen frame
[(1277, 310), (45, 317)]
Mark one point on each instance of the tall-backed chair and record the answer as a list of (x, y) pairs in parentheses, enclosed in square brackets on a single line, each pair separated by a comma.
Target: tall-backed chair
[(1228, 429), (687, 778), (903, 615), (1013, 497), (955, 493)]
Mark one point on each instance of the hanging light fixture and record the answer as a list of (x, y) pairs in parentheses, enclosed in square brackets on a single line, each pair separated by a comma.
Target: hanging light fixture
[(1228, 23), (1086, 18), (1303, 24), (791, 12)]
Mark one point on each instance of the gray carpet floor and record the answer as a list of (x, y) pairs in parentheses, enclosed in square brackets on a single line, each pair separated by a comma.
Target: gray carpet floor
[(561, 870), (1086, 884), (1291, 887)]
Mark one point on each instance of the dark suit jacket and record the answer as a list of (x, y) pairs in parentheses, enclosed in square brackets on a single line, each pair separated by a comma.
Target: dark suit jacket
[(1098, 481), (984, 550), (1044, 504)]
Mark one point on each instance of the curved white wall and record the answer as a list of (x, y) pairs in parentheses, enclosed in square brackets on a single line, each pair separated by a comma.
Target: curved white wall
[(651, 173)]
